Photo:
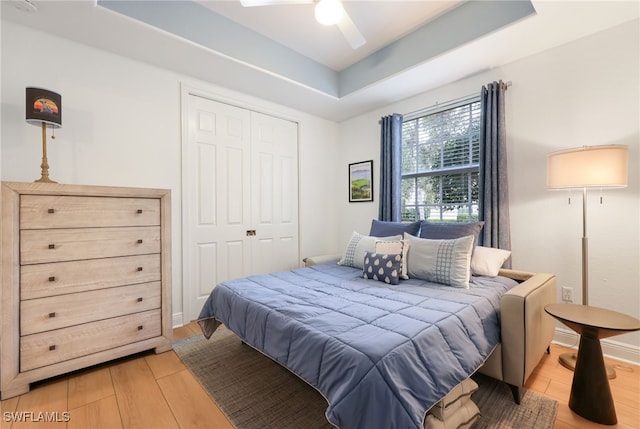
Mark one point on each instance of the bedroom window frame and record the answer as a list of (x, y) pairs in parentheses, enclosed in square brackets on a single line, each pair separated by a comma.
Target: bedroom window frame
[(415, 204)]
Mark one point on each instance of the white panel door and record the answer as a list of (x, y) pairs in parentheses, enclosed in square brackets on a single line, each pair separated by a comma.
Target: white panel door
[(217, 198), (240, 173), (274, 193)]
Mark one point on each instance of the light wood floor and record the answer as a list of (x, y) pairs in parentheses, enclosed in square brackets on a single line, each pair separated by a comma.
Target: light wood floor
[(157, 391)]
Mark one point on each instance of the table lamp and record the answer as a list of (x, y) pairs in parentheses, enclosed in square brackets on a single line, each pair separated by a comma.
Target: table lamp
[(44, 108), (582, 168)]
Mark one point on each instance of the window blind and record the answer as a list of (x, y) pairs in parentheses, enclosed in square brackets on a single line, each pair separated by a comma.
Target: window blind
[(440, 163)]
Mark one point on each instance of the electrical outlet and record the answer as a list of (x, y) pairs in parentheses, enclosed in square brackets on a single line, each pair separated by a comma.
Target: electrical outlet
[(567, 294)]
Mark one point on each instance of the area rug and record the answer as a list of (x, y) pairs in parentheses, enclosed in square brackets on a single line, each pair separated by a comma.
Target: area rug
[(254, 392)]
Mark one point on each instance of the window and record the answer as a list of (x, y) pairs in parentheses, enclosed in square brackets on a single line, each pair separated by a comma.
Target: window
[(441, 162)]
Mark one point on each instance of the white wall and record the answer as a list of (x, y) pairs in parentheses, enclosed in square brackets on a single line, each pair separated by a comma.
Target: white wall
[(583, 93), (122, 127)]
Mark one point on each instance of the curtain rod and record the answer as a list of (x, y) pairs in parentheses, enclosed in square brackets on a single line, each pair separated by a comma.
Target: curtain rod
[(459, 100)]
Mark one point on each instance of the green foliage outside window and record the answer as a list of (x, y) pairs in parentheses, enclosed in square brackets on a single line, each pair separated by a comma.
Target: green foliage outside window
[(440, 164)]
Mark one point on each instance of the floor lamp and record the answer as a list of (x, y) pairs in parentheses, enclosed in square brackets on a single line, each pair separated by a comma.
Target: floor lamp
[(582, 168)]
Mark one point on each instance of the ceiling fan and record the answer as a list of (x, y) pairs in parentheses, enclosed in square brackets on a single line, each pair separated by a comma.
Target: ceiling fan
[(327, 12)]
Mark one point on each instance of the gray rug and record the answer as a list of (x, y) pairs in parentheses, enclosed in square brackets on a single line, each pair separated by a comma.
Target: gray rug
[(256, 393)]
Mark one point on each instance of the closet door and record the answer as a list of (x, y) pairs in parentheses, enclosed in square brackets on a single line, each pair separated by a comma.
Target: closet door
[(217, 198), (240, 204), (274, 193)]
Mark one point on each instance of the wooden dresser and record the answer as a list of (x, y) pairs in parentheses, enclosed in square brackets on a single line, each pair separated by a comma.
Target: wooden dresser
[(86, 278)]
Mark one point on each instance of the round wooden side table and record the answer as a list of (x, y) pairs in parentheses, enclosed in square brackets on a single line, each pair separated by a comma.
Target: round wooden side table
[(590, 392)]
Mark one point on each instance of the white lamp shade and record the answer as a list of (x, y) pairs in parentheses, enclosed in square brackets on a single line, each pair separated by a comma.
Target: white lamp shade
[(588, 167)]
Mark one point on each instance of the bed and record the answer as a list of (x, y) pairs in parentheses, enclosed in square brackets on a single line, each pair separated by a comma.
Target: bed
[(383, 354)]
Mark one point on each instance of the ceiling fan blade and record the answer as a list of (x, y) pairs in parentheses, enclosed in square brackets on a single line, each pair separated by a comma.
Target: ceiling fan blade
[(252, 3), (351, 32)]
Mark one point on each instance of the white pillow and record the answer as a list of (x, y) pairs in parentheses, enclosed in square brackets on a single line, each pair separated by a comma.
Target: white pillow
[(395, 247), (359, 244), (487, 261), (441, 261)]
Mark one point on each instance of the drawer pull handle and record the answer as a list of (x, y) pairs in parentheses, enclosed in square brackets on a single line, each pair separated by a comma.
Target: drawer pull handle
[(139, 268), (52, 314), (52, 279), (52, 246), (140, 299), (140, 328), (140, 241), (52, 348), (51, 211), (139, 211)]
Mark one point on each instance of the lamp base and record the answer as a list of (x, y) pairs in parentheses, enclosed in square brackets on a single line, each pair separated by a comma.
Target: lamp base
[(568, 360), (44, 166), (45, 180)]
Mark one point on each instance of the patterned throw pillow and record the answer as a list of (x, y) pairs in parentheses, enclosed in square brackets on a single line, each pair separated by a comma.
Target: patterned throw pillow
[(400, 247), (353, 255), (382, 267), (441, 261)]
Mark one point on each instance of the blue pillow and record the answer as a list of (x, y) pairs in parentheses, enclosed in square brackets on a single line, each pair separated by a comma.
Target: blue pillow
[(450, 231), (382, 267), (381, 228)]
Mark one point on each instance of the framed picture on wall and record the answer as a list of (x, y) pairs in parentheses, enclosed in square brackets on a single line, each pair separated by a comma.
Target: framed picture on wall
[(361, 181)]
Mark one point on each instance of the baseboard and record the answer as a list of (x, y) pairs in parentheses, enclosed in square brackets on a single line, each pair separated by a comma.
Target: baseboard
[(610, 348), (178, 320)]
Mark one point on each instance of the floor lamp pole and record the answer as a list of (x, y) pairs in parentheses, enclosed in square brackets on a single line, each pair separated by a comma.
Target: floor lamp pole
[(585, 251), (568, 360)]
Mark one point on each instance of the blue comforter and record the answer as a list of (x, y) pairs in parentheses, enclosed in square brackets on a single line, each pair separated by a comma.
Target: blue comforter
[(381, 355)]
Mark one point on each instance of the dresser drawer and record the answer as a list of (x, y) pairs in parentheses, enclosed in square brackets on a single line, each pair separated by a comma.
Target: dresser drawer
[(58, 245), (51, 347), (47, 314), (40, 280), (55, 211)]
